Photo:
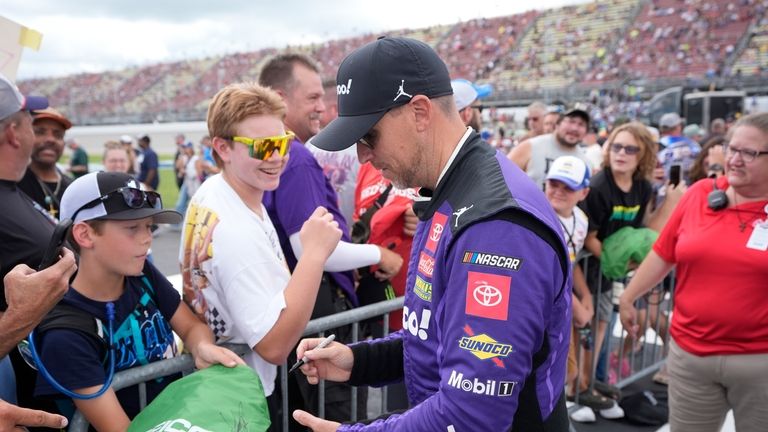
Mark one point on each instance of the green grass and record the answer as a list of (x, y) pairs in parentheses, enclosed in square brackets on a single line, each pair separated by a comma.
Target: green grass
[(167, 188)]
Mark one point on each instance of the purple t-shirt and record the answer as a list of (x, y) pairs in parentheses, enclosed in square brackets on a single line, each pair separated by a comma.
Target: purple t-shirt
[(304, 187)]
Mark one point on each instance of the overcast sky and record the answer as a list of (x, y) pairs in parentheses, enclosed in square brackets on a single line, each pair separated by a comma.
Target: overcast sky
[(97, 35)]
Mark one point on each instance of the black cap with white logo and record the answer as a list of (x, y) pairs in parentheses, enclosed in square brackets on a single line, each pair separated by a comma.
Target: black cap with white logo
[(377, 77)]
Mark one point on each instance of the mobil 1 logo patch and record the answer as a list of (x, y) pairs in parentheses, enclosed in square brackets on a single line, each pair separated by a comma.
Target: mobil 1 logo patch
[(492, 260), (481, 387)]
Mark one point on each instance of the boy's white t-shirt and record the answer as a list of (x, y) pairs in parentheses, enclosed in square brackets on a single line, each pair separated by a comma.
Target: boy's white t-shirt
[(575, 231), (234, 270)]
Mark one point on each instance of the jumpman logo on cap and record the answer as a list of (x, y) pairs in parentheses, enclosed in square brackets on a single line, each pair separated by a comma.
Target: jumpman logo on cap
[(401, 91)]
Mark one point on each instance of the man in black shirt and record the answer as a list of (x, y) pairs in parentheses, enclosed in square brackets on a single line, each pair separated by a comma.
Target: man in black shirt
[(43, 181), (25, 227)]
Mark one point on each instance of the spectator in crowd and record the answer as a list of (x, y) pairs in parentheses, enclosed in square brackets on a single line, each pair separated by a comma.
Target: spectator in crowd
[(116, 158), (535, 155), (535, 120), (711, 160), (593, 151), (43, 181), (30, 295), (208, 161), (133, 154), (25, 227), (234, 271), (567, 184), (676, 148), (302, 188), (148, 174), (551, 119), (112, 233), (180, 160), (466, 94), (716, 128), (694, 132), (405, 122), (620, 195), (340, 168), (178, 167), (193, 171), (78, 162), (715, 238)]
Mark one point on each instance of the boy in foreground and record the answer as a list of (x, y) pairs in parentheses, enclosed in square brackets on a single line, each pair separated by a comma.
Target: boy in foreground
[(135, 303)]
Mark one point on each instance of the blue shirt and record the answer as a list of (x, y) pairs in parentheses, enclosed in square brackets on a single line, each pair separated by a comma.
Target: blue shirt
[(149, 162), (76, 360)]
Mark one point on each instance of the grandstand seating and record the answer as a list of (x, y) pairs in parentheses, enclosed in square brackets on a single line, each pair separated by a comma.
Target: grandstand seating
[(558, 48), (586, 44), (754, 59), (675, 39)]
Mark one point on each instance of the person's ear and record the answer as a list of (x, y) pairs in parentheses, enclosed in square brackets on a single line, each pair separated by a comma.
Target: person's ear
[(423, 110), (83, 234), (223, 148)]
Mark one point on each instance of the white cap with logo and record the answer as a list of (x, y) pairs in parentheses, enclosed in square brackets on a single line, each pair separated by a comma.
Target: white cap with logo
[(570, 170)]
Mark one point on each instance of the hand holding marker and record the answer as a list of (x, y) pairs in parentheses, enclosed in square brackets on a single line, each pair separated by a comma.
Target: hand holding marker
[(324, 343)]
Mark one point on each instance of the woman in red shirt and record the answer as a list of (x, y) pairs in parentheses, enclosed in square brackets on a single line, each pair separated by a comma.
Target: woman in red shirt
[(718, 356)]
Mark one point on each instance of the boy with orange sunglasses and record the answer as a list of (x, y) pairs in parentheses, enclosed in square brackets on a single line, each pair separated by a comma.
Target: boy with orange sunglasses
[(235, 274)]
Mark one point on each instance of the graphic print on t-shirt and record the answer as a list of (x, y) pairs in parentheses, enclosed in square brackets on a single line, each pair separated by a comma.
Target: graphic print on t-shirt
[(198, 233), (144, 337)]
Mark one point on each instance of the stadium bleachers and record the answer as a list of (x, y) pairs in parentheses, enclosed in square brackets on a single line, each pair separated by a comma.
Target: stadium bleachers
[(560, 45), (671, 38), (754, 59), (592, 43)]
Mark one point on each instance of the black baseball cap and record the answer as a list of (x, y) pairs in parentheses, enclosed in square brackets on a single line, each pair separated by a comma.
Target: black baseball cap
[(89, 188), (578, 112), (377, 77)]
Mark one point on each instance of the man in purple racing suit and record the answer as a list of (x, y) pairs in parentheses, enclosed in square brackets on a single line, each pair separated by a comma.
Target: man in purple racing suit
[(487, 305)]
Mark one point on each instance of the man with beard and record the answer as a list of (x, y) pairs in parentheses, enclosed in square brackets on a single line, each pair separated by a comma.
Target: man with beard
[(466, 94), (303, 187), (535, 155), (486, 315), (43, 181)]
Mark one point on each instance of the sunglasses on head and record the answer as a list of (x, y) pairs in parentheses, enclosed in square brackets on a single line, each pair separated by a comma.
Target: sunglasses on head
[(628, 149), (133, 198), (264, 148)]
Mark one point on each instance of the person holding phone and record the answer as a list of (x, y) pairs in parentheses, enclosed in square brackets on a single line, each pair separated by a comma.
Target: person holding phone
[(675, 147)]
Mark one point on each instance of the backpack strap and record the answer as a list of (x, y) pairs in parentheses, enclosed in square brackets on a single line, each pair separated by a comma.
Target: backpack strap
[(65, 316)]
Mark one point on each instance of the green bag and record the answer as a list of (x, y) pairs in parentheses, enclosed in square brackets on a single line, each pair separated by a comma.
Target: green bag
[(217, 399), (625, 245)]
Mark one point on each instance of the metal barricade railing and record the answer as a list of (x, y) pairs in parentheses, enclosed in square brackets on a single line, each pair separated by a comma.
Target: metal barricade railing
[(648, 362), (654, 308), (185, 363)]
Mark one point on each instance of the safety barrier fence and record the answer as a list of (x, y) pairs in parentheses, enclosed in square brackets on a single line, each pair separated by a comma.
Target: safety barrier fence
[(625, 361), (653, 309), (317, 327)]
